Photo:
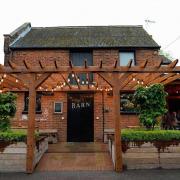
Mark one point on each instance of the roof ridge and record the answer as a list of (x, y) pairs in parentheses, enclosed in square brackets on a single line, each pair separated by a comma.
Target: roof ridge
[(89, 26)]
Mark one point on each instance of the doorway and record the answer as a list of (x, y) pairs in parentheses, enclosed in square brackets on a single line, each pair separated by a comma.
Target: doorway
[(80, 117)]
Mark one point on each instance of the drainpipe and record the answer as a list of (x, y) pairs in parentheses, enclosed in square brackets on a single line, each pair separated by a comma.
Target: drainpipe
[(103, 113)]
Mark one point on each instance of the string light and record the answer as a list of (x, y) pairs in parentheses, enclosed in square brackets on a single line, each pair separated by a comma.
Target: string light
[(87, 82), (4, 75), (134, 79), (78, 80), (68, 80), (40, 87), (72, 75), (138, 82), (92, 85), (1, 91), (64, 84), (2, 80), (16, 80), (82, 82)]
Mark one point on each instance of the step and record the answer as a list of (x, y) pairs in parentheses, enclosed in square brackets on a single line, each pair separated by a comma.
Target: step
[(77, 147), (75, 162)]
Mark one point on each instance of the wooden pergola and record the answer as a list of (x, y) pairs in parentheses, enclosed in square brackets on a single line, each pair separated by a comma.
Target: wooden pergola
[(46, 78)]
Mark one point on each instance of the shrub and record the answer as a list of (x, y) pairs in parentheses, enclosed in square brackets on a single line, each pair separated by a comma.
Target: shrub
[(149, 135), (150, 103), (7, 109), (13, 136)]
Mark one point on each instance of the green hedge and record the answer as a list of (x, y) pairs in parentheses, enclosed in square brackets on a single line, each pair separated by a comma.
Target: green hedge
[(145, 135), (13, 136)]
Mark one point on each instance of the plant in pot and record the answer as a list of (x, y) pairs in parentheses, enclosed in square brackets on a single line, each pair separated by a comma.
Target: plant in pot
[(150, 102)]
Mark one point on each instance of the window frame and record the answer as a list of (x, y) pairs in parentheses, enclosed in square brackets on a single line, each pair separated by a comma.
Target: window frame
[(82, 76), (25, 108), (126, 51), (126, 112), (55, 102)]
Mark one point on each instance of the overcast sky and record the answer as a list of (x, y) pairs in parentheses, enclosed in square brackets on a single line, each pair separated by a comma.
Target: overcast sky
[(165, 13)]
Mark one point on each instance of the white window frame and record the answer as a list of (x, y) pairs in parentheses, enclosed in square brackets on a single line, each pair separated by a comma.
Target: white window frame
[(61, 107)]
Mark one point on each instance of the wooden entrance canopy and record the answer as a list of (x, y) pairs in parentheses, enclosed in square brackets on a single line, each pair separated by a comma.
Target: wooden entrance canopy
[(117, 78)]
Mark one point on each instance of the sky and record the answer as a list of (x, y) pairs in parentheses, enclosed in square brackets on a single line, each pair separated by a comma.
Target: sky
[(163, 17)]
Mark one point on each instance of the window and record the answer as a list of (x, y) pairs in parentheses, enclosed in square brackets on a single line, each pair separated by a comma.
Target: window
[(126, 104), (26, 102), (124, 58), (58, 107), (78, 59)]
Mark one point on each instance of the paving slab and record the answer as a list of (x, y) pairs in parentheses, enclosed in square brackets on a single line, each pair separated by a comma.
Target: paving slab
[(156, 174)]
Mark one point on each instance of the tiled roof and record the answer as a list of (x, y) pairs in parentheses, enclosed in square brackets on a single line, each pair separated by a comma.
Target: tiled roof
[(85, 37)]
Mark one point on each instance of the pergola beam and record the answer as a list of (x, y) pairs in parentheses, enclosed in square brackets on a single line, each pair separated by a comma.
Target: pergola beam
[(41, 79), (31, 125), (66, 81), (91, 69), (108, 73)]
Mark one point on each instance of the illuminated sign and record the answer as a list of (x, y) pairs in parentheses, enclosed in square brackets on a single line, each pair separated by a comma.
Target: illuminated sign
[(80, 105)]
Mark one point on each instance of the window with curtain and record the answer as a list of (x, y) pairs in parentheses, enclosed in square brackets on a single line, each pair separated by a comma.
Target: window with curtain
[(124, 58)]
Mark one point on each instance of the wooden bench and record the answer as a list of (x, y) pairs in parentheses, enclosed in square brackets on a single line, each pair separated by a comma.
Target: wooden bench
[(52, 134)]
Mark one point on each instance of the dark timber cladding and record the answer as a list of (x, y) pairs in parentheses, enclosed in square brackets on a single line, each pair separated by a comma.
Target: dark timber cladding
[(28, 76)]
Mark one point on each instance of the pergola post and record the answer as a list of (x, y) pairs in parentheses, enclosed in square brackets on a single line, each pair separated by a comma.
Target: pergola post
[(117, 124), (31, 125)]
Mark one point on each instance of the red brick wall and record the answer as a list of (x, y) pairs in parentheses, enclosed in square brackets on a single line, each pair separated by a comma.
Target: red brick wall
[(48, 120)]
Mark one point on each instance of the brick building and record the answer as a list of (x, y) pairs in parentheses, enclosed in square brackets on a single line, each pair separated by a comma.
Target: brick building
[(81, 115)]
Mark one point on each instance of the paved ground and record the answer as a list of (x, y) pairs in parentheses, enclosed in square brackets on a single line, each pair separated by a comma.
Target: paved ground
[(76, 157), (99, 175), (75, 161), (77, 147)]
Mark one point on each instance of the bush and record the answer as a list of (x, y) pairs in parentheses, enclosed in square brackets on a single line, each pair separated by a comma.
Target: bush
[(13, 136), (7, 109), (150, 103), (151, 135)]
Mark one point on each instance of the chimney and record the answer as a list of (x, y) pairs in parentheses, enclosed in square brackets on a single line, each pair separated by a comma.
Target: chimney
[(7, 40)]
